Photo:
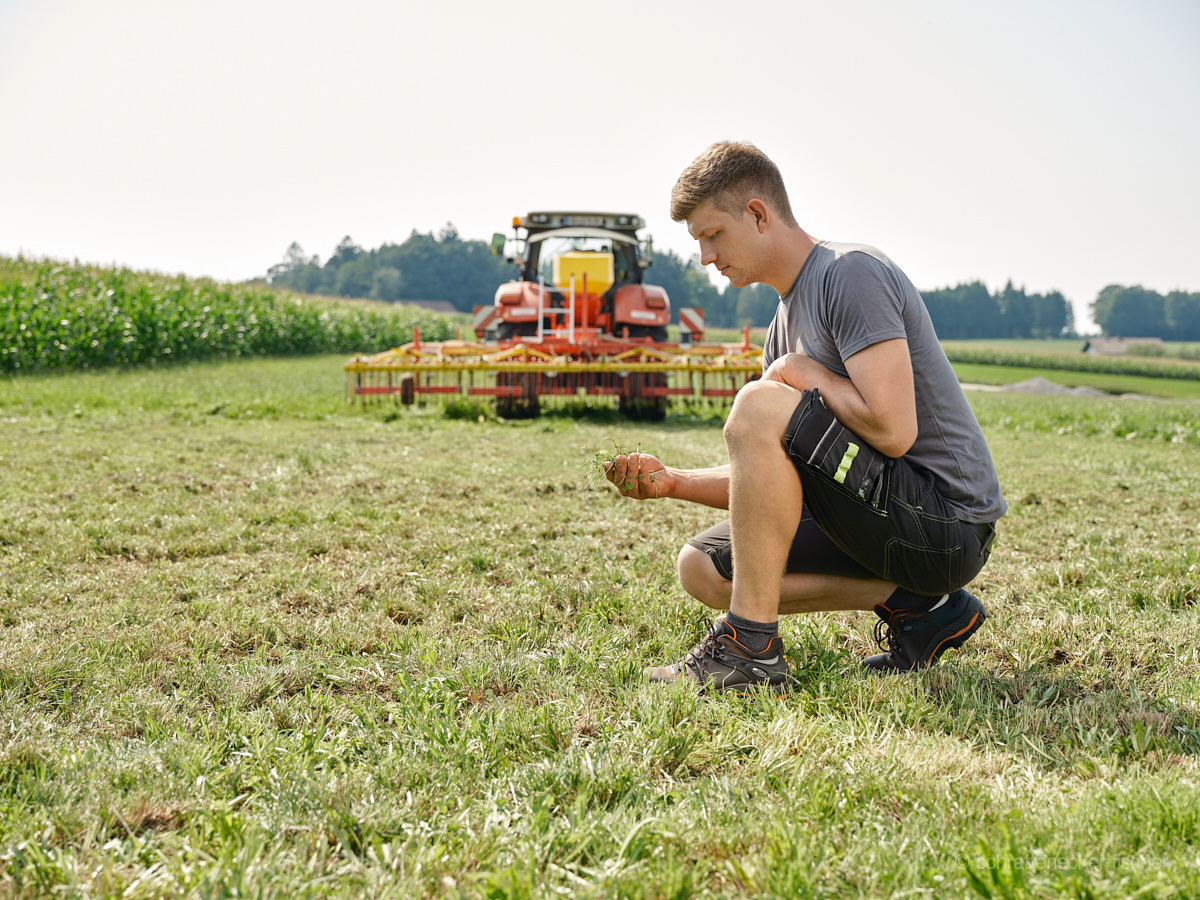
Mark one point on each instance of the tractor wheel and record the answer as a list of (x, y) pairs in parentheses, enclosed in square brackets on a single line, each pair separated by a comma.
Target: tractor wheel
[(523, 407), (634, 404), (510, 330)]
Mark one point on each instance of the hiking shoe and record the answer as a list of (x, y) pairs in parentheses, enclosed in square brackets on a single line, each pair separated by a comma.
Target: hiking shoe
[(915, 639), (722, 663)]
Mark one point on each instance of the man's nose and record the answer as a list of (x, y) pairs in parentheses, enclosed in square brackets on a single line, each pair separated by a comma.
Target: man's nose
[(707, 255)]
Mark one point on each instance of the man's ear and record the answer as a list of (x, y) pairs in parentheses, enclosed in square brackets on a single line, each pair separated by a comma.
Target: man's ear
[(761, 213)]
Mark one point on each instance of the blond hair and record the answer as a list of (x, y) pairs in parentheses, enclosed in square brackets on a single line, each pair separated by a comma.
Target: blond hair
[(730, 174)]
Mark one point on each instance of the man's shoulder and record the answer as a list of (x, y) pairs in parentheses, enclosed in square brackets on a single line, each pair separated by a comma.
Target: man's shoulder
[(845, 256), (859, 272)]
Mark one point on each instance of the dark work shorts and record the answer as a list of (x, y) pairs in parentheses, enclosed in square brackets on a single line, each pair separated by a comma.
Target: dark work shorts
[(812, 551), (897, 527)]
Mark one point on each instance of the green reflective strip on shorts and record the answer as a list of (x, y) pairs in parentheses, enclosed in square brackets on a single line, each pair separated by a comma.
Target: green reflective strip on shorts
[(844, 466)]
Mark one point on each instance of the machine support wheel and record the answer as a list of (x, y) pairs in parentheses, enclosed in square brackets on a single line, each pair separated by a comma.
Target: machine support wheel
[(408, 389), (633, 402), (524, 406)]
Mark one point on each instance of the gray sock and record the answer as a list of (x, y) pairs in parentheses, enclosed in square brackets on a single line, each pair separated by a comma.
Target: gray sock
[(754, 636)]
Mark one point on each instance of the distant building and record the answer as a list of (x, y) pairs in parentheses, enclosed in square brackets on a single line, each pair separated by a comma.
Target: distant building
[(1118, 346)]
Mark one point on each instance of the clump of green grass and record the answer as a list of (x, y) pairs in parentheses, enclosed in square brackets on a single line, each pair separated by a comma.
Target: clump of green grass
[(467, 408), (602, 458)]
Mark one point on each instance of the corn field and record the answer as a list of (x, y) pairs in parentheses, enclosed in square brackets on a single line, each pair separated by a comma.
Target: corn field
[(65, 316)]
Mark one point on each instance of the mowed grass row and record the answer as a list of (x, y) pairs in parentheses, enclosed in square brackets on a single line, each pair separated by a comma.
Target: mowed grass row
[(67, 316), (257, 642)]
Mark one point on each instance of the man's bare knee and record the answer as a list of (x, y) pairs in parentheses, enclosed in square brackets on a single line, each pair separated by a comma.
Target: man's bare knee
[(700, 578), (761, 410)]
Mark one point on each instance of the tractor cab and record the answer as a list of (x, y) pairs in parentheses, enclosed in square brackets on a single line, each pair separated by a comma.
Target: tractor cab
[(586, 268)]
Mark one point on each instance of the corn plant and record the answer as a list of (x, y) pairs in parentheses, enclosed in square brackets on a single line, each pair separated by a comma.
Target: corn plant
[(68, 316)]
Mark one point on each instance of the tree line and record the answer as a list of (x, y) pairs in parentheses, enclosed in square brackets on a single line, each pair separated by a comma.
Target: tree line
[(431, 266), (1140, 312), (445, 266), (970, 310)]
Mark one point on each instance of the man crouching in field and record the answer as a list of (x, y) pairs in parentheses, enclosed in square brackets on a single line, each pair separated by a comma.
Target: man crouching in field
[(858, 477)]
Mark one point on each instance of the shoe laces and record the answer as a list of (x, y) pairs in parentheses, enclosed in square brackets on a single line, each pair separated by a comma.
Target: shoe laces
[(887, 639), (705, 650)]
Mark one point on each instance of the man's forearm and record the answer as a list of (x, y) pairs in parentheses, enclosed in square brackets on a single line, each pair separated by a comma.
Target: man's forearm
[(709, 487), (888, 420), (848, 405), (840, 396)]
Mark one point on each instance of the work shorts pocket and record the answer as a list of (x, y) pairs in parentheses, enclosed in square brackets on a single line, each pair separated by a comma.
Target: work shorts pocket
[(816, 439), (922, 570)]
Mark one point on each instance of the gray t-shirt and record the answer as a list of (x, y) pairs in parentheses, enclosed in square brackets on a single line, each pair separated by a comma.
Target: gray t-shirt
[(850, 296)]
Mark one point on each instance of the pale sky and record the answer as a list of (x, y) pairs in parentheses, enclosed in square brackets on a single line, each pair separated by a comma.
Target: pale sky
[(1054, 143)]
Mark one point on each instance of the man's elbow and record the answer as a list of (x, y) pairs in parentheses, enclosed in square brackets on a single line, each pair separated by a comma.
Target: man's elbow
[(898, 441)]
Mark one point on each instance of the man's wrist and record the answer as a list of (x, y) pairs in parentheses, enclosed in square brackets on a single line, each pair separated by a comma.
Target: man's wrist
[(708, 487), (673, 481)]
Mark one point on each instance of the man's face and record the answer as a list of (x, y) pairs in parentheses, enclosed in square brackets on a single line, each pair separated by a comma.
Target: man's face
[(732, 243)]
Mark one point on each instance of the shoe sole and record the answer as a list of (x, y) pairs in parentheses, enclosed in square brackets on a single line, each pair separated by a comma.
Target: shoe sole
[(748, 689)]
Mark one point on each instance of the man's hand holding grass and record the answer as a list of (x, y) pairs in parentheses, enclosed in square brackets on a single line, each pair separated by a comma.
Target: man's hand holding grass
[(640, 476)]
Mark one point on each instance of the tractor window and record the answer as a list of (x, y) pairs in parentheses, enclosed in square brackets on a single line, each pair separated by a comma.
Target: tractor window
[(542, 254), (626, 264)]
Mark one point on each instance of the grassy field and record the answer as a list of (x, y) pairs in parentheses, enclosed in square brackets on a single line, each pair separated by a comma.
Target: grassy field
[(1170, 388), (255, 642), (1063, 347)]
